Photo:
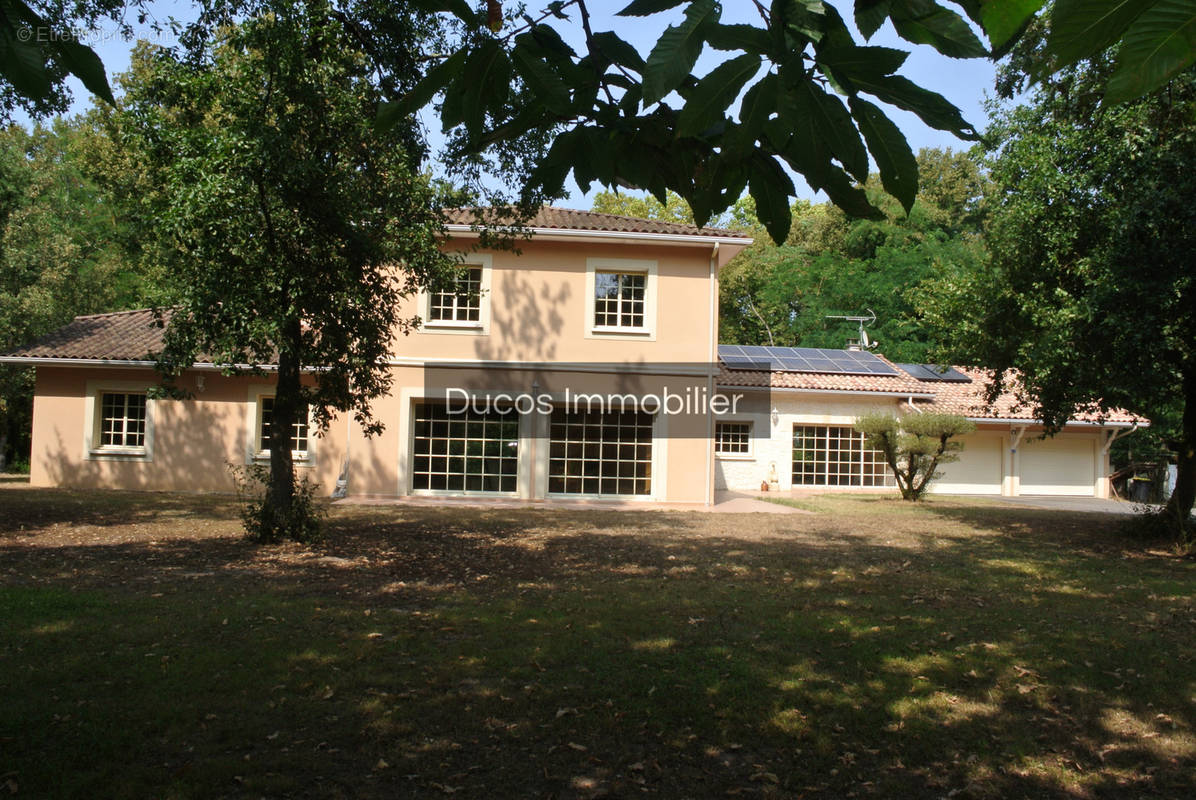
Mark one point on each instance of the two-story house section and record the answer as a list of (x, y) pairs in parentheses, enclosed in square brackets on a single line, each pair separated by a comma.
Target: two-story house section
[(509, 388)]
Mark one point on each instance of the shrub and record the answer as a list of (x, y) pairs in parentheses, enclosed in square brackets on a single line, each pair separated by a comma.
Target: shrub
[(304, 523), (915, 445)]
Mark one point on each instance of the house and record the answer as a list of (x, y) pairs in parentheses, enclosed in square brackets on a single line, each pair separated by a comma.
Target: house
[(796, 430), (583, 366)]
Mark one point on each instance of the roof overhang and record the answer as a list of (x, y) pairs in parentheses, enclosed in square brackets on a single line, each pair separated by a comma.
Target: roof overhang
[(567, 234), (853, 392), (36, 361), (1070, 424)]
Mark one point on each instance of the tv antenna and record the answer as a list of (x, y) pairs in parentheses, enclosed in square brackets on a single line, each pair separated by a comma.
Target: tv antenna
[(864, 342)]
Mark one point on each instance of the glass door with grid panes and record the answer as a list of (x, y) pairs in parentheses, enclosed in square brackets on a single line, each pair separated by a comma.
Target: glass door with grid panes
[(464, 451), (600, 454), (829, 455)]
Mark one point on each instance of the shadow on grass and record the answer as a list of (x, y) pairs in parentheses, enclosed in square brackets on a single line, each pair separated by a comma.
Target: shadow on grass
[(496, 653)]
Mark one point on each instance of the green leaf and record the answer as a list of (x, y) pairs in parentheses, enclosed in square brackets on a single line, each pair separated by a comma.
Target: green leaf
[(618, 51), (486, 79), (85, 65), (833, 126), (894, 158), (870, 15), (642, 8), (541, 78), (22, 65), (1159, 44), (714, 93), (876, 61), (771, 188), (931, 107), (435, 81), (1004, 18), (552, 170), (748, 38), (758, 104), (1082, 28), (674, 55), (458, 8), (926, 22)]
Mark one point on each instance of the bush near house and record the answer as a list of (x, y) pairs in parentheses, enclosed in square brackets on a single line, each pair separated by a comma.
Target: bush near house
[(915, 445)]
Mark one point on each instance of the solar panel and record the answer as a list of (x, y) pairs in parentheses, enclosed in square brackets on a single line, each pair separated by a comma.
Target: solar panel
[(803, 359), (932, 373)]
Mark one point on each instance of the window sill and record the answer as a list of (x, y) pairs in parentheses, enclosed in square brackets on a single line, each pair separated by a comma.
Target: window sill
[(735, 456), (608, 330), (125, 452), (299, 458), (453, 323)]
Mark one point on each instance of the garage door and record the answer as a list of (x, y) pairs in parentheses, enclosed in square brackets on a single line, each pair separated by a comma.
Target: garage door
[(1058, 466), (600, 454), (464, 451), (978, 470)]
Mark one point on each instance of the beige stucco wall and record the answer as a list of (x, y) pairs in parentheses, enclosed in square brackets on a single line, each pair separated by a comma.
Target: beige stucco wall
[(194, 441), (538, 300)]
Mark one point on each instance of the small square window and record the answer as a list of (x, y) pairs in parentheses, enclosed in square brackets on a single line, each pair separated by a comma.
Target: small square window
[(122, 421), (732, 438), (265, 418), (462, 303), (619, 299)]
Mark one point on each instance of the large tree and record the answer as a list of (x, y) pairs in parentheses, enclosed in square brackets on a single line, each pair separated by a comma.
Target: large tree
[(291, 226), (1091, 293), (794, 93)]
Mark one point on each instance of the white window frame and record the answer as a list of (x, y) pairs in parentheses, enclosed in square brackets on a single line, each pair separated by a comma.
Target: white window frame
[(888, 481), (480, 326), (622, 265), (93, 426), (750, 454), (255, 452)]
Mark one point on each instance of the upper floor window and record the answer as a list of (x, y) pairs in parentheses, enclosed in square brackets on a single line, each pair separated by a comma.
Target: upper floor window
[(462, 303), (299, 432), (463, 307), (620, 298), (122, 421)]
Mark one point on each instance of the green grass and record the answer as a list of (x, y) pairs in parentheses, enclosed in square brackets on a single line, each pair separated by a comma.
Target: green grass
[(873, 648)]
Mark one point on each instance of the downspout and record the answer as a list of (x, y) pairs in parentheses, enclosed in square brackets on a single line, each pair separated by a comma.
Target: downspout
[(1114, 435), (910, 403), (342, 482), (711, 367)]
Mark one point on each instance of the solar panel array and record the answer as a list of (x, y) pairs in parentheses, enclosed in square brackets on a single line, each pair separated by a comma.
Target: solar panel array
[(802, 359), (931, 372)]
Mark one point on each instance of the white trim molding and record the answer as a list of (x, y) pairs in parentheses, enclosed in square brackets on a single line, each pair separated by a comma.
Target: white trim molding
[(254, 452), (648, 269), (461, 327), (92, 450)]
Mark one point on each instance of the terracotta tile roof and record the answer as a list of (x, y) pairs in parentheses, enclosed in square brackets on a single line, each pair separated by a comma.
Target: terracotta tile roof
[(120, 336), (575, 220), (966, 399)]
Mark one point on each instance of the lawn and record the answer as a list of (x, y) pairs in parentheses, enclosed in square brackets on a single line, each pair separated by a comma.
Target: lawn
[(957, 649)]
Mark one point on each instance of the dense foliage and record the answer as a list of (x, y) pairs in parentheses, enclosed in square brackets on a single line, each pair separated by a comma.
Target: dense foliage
[(832, 265), (1091, 292), (61, 255)]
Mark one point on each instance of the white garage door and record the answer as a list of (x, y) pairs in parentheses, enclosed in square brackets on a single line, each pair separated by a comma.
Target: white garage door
[(978, 470), (1058, 466)]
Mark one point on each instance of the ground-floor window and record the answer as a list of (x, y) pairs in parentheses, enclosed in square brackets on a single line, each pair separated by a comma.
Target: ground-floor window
[(465, 450), (122, 420), (827, 455), (596, 453)]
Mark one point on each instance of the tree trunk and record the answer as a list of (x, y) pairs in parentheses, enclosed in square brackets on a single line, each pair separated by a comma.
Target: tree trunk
[(1179, 506), (280, 494)]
